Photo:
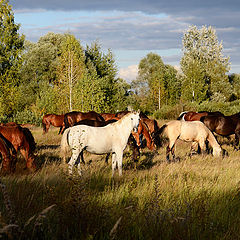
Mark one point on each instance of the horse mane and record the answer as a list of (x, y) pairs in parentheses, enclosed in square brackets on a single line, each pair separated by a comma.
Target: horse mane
[(121, 119)]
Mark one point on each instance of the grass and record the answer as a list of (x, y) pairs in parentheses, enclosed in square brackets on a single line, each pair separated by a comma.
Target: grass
[(196, 198)]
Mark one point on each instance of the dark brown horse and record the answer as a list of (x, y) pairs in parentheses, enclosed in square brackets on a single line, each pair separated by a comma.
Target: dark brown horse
[(73, 117), (96, 123), (8, 154), (224, 125), (195, 116), (109, 116), (53, 119), (23, 141)]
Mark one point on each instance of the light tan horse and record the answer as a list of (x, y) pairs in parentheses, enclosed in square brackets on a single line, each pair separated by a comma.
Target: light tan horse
[(195, 132)]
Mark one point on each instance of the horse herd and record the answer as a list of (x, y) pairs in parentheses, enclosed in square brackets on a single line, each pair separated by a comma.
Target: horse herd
[(108, 133)]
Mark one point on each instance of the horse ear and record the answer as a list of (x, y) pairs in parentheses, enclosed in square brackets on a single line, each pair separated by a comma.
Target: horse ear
[(138, 111)]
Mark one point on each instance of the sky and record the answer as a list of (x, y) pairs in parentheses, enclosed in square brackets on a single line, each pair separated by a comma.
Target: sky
[(133, 28)]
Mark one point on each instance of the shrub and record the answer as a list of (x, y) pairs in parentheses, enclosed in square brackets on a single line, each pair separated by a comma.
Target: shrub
[(27, 116)]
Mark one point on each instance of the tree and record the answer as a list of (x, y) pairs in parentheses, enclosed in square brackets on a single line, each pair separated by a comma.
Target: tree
[(71, 68), (11, 48), (38, 74), (203, 65), (151, 72), (102, 66)]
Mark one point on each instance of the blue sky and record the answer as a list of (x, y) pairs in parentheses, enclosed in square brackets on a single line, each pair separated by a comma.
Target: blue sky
[(132, 29)]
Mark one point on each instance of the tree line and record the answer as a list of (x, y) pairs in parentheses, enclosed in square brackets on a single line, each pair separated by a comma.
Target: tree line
[(57, 75)]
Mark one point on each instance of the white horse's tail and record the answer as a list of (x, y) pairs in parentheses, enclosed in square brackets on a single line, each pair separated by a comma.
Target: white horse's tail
[(64, 145)]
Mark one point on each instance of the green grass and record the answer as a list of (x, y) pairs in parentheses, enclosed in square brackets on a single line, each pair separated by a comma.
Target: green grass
[(196, 198)]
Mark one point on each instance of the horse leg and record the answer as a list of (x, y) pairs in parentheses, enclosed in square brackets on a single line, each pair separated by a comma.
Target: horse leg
[(236, 142), (60, 130), (170, 148), (107, 157), (29, 159), (73, 160), (119, 156), (202, 146), (194, 148), (114, 163)]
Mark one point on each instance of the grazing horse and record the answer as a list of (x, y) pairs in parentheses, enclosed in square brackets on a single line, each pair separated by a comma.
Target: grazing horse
[(195, 116), (8, 154), (112, 138), (143, 130), (195, 132), (73, 117), (23, 141), (95, 123), (53, 119), (224, 126)]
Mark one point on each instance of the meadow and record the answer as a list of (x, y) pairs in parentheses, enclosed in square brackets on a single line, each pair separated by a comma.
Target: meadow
[(195, 198)]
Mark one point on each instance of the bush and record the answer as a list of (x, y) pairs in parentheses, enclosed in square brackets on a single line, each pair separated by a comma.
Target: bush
[(27, 116)]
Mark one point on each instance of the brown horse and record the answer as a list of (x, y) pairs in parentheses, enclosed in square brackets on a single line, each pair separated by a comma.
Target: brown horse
[(73, 117), (96, 123), (8, 154), (53, 119), (224, 126), (23, 141), (109, 116), (195, 116), (143, 130)]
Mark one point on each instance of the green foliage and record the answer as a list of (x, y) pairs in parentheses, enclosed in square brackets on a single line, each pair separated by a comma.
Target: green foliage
[(157, 84), (27, 116), (11, 48), (71, 69), (168, 112), (204, 66)]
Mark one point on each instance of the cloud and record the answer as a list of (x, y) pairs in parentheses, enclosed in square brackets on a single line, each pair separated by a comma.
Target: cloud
[(130, 73), (137, 24)]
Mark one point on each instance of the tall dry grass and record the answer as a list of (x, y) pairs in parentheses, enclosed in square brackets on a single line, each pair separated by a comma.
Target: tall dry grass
[(196, 198)]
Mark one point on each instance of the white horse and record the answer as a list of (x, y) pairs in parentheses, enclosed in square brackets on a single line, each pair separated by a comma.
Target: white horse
[(195, 132), (112, 138)]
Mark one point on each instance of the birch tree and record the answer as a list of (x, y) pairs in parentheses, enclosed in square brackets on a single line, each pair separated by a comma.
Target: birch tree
[(71, 69), (204, 65)]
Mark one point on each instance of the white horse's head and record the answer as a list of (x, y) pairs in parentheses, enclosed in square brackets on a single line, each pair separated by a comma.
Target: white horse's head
[(135, 118)]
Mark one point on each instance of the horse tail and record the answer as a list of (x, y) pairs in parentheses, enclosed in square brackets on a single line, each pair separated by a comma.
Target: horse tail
[(30, 139), (159, 131), (44, 125), (181, 116), (66, 122), (64, 145)]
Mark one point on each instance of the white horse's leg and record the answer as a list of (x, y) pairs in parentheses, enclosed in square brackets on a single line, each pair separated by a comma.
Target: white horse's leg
[(119, 156), (73, 159), (114, 163)]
